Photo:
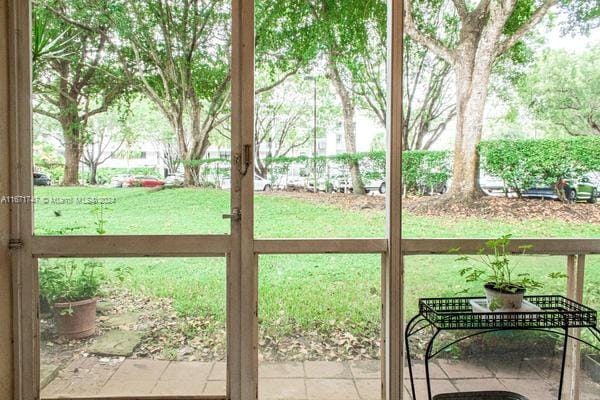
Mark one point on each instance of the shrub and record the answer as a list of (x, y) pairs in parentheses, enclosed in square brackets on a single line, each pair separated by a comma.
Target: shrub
[(521, 163), (425, 169), (421, 168), (105, 175)]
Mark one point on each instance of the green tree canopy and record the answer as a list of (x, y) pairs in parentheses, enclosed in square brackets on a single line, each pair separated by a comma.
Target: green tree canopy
[(562, 91), (76, 74)]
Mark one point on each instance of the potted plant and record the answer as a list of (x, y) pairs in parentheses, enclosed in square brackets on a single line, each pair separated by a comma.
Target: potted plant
[(71, 288), (504, 289)]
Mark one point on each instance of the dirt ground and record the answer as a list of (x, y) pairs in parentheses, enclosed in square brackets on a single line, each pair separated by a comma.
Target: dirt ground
[(487, 207)]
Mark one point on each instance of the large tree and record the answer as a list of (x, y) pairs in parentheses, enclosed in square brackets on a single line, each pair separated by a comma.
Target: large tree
[(108, 133), (344, 29), (488, 29), (428, 104), (179, 53), (562, 91), (75, 74)]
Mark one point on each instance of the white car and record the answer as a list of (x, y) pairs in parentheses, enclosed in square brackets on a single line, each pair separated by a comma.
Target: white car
[(375, 185), (342, 184), (492, 185), (294, 182), (175, 180), (321, 185), (260, 184)]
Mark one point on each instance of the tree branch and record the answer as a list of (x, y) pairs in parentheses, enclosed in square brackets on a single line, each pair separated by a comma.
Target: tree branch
[(70, 20), (461, 8), (276, 83), (46, 113), (536, 17), (434, 45)]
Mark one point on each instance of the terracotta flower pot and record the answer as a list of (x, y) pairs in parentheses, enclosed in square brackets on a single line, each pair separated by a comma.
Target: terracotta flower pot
[(504, 300), (76, 320)]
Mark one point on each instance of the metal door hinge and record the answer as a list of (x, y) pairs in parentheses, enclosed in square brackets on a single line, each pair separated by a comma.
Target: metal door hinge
[(236, 215), (15, 244)]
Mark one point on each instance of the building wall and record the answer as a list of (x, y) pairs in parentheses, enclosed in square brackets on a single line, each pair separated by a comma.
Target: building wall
[(5, 275)]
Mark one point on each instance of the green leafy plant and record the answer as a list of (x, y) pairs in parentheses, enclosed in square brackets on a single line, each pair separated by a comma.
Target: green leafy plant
[(101, 221), (70, 281), (121, 272), (492, 266)]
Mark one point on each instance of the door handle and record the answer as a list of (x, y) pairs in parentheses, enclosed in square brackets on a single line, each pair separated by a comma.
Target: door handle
[(236, 215)]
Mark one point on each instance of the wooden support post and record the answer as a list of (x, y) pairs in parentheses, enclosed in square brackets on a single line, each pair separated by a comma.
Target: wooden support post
[(244, 349), (24, 267), (575, 282), (6, 334), (394, 273)]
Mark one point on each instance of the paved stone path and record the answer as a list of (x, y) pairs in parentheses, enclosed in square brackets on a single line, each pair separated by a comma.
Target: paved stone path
[(310, 380)]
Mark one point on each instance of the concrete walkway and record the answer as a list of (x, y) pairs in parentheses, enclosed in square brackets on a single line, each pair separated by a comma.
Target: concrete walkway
[(310, 380)]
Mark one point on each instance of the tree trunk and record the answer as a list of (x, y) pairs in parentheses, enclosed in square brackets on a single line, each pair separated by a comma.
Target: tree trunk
[(191, 173), (93, 173), (472, 81), (71, 171), (348, 109), (72, 152), (190, 165)]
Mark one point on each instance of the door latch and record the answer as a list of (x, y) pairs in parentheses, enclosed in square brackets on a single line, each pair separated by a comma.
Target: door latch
[(15, 244), (236, 215), (246, 159)]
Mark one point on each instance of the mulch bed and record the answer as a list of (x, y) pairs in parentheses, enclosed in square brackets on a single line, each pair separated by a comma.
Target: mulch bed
[(486, 208)]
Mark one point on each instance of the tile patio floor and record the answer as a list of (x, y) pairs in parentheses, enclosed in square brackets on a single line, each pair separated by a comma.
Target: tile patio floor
[(310, 380)]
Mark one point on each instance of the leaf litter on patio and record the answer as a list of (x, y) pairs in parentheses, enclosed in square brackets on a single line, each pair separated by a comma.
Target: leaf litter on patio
[(169, 336)]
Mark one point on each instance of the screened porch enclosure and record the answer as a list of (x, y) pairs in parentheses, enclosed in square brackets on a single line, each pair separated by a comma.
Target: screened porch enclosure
[(230, 186)]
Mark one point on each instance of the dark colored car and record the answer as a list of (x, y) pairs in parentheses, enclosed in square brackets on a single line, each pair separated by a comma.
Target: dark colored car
[(40, 179), (143, 181), (575, 190)]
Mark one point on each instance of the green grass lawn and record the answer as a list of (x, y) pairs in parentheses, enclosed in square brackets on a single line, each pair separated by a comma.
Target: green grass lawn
[(308, 291)]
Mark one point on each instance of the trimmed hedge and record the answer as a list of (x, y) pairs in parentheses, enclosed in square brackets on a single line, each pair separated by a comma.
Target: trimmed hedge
[(522, 163), (422, 169)]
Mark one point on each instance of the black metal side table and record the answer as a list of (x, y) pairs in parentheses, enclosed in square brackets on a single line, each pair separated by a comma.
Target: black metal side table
[(557, 315)]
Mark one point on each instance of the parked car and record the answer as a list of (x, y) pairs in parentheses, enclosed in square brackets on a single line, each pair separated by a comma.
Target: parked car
[(260, 184), (594, 178), (118, 180), (342, 184), (575, 190), (492, 185), (143, 181), (375, 185), (294, 182), (174, 181), (40, 179), (432, 190), (322, 185)]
